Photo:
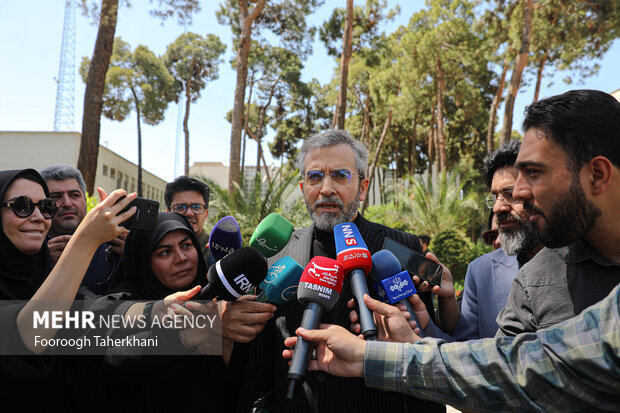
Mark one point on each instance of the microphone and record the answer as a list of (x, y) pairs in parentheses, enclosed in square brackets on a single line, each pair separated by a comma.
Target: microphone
[(236, 274), (392, 284), (354, 256), (280, 285), (319, 289), (272, 234), (225, 237)]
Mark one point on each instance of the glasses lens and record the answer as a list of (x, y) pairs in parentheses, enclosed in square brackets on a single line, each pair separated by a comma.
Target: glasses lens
[(179, 208), (490, 201), (197, 208), (48, 208), (23, 206), (507, 195), (341, 177), (315, 177)]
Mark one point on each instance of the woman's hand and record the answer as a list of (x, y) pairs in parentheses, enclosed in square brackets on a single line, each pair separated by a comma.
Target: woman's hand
[(102, 224)]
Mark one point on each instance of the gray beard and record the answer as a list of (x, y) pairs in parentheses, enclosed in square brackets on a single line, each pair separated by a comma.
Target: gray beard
[(522, 240), (327, 220)]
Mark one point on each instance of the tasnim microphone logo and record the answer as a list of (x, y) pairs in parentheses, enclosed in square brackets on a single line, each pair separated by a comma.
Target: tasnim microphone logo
[(398, 284), (325, 274)]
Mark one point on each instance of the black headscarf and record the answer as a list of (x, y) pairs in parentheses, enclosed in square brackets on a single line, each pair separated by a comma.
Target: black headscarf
[(21, 274), (136, 269)]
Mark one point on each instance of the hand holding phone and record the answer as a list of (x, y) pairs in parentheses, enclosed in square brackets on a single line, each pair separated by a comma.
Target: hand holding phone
[(145, 217), (414, 262)]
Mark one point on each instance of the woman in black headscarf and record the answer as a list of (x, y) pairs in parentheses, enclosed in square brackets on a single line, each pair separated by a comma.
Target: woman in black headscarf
[(156, 265), (25, 214)]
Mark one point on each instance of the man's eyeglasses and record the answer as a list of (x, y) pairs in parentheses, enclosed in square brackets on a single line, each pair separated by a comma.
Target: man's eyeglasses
[(340, 177), (182, 208), (23, 207), (505, 195), (490, 236)]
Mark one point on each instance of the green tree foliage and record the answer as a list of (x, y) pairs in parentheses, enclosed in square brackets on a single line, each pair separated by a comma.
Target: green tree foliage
[(137, 81), (284, 18), (453, 249), (248, 203), (193, 60)]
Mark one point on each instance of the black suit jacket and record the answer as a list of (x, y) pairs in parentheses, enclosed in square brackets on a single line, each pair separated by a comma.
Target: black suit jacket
[(265, 369)]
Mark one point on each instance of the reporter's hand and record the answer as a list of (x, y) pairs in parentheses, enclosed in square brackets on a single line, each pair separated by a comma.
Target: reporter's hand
[(391, 320), (446, 290), (244, 318), (338, 352), (57, 245)]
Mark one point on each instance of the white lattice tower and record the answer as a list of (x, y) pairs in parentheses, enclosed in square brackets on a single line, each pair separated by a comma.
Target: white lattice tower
[(65, 92)]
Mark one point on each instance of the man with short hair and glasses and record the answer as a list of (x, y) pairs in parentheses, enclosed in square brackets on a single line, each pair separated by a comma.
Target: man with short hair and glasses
[(333, 181), (190, 198), (68, 191)]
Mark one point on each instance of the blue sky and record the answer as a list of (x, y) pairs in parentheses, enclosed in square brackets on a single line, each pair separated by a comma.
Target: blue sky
[(30, 50)]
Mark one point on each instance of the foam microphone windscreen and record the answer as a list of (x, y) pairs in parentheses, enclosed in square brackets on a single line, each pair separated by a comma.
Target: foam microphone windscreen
[(321, 282), (236, 274), (225, 237), (384, 262), (354, 256), (281, 282), (319, 290), (392, 284), (272, 234), (351, 249)]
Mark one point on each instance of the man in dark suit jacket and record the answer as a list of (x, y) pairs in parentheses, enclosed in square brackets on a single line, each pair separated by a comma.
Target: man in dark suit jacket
[(333, 170)]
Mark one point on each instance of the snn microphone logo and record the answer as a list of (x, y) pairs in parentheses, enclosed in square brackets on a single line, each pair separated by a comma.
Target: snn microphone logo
[(349, 238)]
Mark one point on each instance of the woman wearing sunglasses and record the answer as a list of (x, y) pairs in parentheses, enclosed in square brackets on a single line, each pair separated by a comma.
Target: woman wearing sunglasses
[(25, 216)]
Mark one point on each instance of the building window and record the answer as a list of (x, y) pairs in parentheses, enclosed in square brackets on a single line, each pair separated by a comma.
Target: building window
[(113, 173), (105, 170)]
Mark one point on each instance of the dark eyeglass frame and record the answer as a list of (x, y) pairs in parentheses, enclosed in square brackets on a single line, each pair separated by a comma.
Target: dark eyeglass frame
[(47, 207), (490, 236), (182, 208), (505, 195), (339, 176)]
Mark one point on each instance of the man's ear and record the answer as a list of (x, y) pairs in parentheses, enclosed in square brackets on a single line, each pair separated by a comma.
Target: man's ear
[(364, 188), (601, 169)]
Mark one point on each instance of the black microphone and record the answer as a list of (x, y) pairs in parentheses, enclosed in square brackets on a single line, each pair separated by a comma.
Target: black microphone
[(355, 258), (236, 274), (319, 289)]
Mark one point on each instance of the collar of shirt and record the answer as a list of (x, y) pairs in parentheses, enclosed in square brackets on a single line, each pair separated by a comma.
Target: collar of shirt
[(581, 250)]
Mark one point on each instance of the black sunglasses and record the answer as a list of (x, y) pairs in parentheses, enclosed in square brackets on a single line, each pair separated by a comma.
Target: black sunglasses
[(23, 207), (490, 236)]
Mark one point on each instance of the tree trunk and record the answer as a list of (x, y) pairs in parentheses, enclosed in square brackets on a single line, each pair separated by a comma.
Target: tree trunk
[(386, 128), (494, 106), (347, 41), (93, 102), (441, 139), (519, 66), (412, 150), (366, 121), (245, 41), (245, 125), (541, 67), (185, 127), (137, 104), (431, 145)]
